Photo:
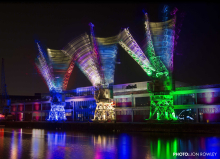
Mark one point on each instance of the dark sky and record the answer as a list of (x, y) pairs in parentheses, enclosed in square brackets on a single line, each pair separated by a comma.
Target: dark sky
[(56, 24)]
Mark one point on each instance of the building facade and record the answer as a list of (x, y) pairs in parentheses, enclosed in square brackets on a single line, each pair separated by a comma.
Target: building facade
[(132, 100)]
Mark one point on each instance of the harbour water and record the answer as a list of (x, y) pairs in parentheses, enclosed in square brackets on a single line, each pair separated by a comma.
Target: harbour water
[(43, 144)]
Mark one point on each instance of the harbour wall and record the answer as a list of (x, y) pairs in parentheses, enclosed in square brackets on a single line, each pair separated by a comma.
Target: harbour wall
[(118, 127)]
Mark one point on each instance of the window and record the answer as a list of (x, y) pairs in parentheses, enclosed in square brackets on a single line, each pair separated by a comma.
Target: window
[(68, 105), (184, 99), (118, 112), (142, 101), (46, 106), (68, 114)]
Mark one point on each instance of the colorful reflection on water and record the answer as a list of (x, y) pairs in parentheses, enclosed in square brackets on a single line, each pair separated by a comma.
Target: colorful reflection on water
[(42, 144)]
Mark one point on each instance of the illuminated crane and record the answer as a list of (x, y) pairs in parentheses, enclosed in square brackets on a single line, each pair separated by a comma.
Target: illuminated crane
[(157, 61), (56, 68), (96, 58)]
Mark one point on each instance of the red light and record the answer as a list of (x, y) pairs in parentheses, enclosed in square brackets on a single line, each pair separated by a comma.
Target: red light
[(36, 106)]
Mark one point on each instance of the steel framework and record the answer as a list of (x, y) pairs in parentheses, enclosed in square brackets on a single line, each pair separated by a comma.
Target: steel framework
[(96, 58), (157, 61), (56, 68)]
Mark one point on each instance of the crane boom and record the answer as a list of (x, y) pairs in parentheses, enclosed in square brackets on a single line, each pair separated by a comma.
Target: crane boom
[(131, 47)]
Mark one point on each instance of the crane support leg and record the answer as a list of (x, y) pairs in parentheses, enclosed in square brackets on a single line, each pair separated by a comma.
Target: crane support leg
[(161, 107)]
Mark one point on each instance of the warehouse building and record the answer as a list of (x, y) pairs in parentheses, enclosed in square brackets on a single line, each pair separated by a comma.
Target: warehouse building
[(132, 101)]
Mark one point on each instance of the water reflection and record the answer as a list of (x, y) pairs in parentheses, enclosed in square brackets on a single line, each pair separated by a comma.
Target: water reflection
[(1, 140), (124, 146), (37, 144), (16, 144), (104, 146), (164, 148), (56, 142), (42, 144)]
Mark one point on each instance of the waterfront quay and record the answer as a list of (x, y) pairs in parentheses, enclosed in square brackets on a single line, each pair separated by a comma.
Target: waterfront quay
[(175, 127)]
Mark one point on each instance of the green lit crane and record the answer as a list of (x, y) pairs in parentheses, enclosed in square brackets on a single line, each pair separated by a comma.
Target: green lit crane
[(157, 61)]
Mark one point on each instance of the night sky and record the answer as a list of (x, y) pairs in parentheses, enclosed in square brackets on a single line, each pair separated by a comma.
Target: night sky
[(56, 24)]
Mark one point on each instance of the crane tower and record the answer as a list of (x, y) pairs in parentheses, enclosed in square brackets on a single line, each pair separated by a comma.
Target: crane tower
[(5, 102), (156, 59)]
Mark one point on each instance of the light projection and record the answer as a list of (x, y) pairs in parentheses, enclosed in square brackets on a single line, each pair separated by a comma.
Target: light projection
[(55, 67), (185, 115)]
